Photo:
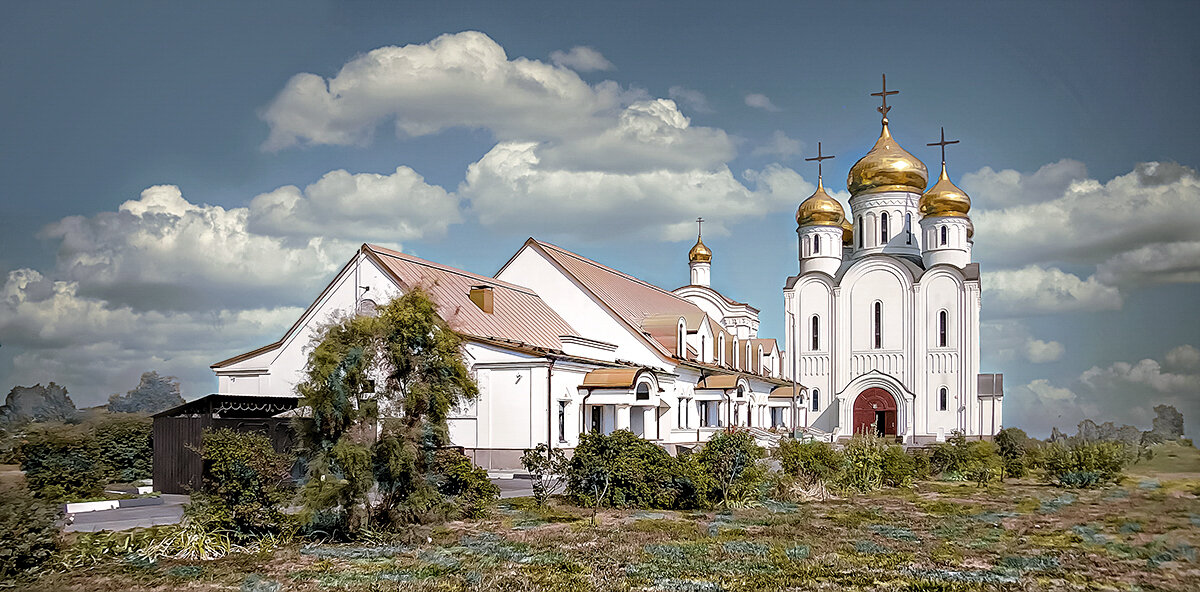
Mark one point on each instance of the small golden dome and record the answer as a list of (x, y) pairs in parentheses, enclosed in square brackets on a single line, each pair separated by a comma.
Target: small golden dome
[(887, 167), (820, 209), (945, 199), (700, 253), (847, 232)]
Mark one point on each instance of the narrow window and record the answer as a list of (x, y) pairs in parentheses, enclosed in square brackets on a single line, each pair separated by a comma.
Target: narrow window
[(680, 342), (562, 421), (908, 229), (816, 333), (643, 391), (721, 350), (736, 354), (945, 238), (702, 350), (748, 363), (883, 228), (943, 399), (816, 399), (816, 245), (860, 232), (942, 329), (878, 325)]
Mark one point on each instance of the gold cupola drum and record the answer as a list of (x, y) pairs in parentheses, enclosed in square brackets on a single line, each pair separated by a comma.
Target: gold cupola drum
[(887, 166)]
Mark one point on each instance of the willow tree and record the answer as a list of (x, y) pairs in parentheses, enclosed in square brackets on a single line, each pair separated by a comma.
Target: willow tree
[(380, 388)]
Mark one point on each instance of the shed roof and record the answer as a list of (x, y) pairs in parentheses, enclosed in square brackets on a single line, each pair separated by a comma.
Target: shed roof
[(610, 378), (235, 406), (718, 381)]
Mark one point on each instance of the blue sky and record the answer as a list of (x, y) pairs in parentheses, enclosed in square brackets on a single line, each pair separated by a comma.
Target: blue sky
[(179, 181)]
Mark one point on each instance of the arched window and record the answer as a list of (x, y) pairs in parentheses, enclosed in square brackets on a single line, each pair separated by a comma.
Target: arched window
[(907, 229), (883, 228), (816, 333), (680, 341), (861, 228), (748, 363), (945, 236), (643, 391), (878, 325), (703, 352), (942, 322), (943, 399), (735, 352), (816, 244), (721, 349), (761, 362), (816, 399)]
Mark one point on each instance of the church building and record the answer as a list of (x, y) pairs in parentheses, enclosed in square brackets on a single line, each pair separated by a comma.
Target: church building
[(881, 332)]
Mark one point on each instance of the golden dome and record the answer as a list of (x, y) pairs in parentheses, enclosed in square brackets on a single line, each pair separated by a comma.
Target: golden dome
[(887, 167), (945, 199), (847, 232), (700, 253), (820, 209)]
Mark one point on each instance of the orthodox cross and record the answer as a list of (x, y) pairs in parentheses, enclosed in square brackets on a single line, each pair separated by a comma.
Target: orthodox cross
[(943, 144), (883, 94), (699, 226), (819, 157)]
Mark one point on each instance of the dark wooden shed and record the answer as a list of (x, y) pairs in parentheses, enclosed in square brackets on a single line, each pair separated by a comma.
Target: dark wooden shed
[(177, 433)]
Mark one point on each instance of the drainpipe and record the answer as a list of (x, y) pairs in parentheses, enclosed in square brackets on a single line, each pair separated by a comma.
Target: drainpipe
[(549, 407)]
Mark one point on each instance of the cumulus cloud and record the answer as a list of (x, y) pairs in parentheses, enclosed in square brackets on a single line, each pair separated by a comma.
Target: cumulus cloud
[(1041, 352), (759, 101), (1146, 374), (690, 98), (780, 146), (1184, 357), (456, 80), (1091, 222), (1153, 263), (363, 206), (1035, 290), (581, 59), (161, 251), (991, 189), (1009, 340)]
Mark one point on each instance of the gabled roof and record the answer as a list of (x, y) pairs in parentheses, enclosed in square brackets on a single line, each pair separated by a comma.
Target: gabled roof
[(518, 314), (630, 299)]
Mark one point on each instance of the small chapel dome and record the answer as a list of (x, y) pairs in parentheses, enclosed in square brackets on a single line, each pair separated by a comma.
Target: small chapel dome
[(820, 209), (945, 199), (700, 253), (887, 167)]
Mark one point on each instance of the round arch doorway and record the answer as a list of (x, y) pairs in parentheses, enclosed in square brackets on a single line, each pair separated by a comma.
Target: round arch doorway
[(875, 412)]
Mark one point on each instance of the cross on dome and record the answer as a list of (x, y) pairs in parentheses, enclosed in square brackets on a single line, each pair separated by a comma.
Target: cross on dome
[(883, 94), (819, 157), (943, 144)]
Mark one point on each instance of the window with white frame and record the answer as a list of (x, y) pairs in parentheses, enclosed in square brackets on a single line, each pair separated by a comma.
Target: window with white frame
[(878, 325), (816, 333), (943, 321), (816, 399), (943, 399), (883, 228)]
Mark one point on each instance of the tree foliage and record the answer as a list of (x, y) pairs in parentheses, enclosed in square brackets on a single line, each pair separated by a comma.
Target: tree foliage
[(548, 469), (153, 393), (246, 482), (406, 362), (731, 461), (61, 462), (29, 529), (27, 404)]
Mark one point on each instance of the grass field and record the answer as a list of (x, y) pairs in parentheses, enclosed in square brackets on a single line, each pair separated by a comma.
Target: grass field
[(1142, 534)]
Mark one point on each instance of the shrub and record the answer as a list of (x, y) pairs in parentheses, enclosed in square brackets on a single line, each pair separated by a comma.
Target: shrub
[(731, 459), (1011, 443), (123, 446), (949, 458), (61, 462), (1084, 464), (811, 461), (29, 529), (897, 468), (465, 486), (245, 483), (862, 467), (622, 470), (548, 469), (983, 462)]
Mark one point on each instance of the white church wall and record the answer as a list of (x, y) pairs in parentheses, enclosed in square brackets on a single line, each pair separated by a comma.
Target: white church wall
[(882, 282)]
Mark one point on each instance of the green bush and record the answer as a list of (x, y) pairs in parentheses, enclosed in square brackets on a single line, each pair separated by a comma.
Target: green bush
[(623, 470), (548, 468), (123, 446), (1084, 464), (465, 487), (29, 531), (245, 483), (1011, 443), (983, 462), (862, 466), (811, 462), (62, 462), (949, 458), (897, 468), (731, 459)]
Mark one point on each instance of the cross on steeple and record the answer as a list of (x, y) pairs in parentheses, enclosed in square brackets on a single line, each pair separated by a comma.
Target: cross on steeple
[(883, 94), (819, 157), (699, 227), (943, 144)]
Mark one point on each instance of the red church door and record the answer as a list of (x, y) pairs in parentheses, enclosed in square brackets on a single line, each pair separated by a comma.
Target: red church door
[(875, 412)]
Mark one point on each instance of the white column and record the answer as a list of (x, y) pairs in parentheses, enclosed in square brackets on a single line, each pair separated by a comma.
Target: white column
[(622, 417)]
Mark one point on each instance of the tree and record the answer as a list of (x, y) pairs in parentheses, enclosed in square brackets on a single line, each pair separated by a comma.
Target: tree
[(245, 483), (26, 404), (731, 459), (548, 469), (154, 393), (1168, 425), (406, 362)]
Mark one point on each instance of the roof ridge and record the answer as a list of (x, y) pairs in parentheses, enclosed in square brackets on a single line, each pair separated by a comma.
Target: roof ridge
[(610, 270), (427, 263)]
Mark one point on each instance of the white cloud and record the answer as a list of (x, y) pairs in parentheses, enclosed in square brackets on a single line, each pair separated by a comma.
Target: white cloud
[(1146, 373), (1091, 222), (1048, 393), (1184, 357), (690, 98), (581, 59), (1034, 290), (357, 207), (456, 80), (1042, 352), (163, 252), (1153, 263), (990, 189), (779, 146), (759, 101)]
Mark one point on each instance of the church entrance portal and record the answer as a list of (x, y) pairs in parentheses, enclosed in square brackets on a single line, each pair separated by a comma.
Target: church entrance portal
[(875, 412)]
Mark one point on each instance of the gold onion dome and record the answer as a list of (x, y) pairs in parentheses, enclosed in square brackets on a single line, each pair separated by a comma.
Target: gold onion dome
[(945, 199), (887, 167), (847, 232), (820, 209), (700, 253)]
